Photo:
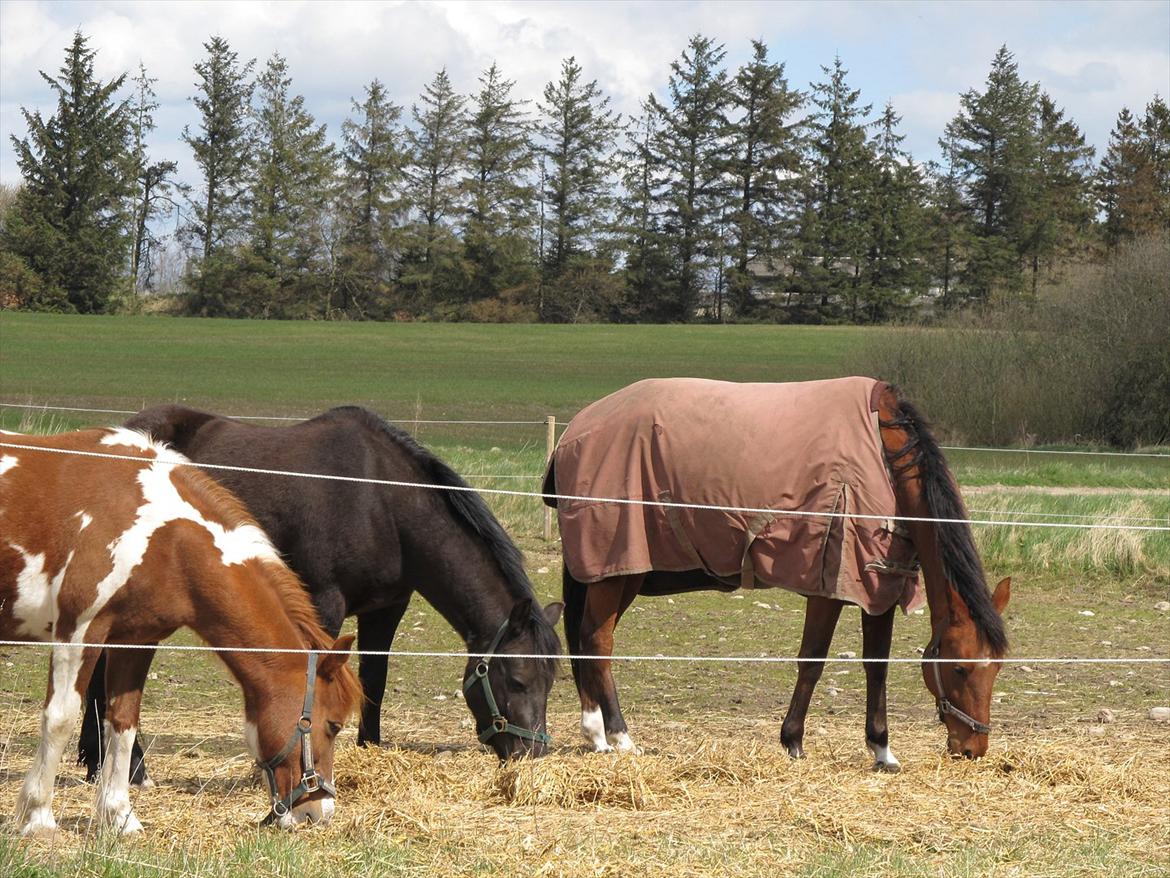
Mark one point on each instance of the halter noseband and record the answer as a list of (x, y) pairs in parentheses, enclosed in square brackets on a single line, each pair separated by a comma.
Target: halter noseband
[(500, 724), (311, 779), (944, 705)]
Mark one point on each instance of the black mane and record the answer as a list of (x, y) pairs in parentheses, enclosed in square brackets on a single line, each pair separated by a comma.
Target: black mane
[(956, 543), (470, 507)]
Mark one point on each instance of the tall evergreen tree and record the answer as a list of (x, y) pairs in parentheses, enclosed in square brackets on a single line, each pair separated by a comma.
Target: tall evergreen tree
[(223, 153), (1127, 184), (289, 190), (152, 182), (765, 161), (437, 153), (649, 263), (67, 223), (690, 151), (371, 205), (579, 133), (497, 236), (1156, 135), (948, 222), (834, 228), (893, 268), (996, 151), (1060, 207)]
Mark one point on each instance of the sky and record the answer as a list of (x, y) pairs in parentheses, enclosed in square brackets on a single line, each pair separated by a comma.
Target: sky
[(1092, 57)]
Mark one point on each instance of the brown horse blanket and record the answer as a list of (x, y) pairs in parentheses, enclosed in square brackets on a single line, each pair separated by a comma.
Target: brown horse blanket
[(812, 447)]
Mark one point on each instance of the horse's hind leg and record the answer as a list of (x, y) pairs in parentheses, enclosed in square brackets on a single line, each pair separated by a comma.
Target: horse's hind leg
[(876, 634), (820, 620), (69, 672), (126, 671), (375, 631), (602, 722)]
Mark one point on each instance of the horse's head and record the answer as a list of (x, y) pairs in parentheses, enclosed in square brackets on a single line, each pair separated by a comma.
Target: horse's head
[(962, 683), (508, 696), (293, 734)]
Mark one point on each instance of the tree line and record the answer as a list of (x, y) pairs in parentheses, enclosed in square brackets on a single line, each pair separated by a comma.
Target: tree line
[(733, 195)]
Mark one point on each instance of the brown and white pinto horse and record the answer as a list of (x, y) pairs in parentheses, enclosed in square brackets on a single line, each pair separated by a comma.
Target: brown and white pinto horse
[(96, 551), (966, 623)]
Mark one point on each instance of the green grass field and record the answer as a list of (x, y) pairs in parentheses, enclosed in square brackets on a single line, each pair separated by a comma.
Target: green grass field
[(1076, 593)]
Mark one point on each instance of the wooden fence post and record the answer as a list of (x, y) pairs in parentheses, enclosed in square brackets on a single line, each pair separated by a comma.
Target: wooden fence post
[(551, 445)]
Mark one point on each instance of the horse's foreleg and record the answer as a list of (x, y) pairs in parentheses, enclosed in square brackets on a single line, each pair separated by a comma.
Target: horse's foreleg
[(375, 631), (820, 620), (876, 634), (602, 722), (126, 671), (69, 672)]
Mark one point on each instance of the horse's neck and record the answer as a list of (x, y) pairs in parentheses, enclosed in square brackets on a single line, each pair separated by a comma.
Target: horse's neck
[(472, 594), (939, 590)]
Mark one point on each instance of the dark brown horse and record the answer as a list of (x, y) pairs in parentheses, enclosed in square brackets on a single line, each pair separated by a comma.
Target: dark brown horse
[(363, 549), (128, 550), (855, 452)]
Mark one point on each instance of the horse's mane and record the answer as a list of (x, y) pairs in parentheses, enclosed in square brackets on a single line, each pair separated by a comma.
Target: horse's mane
[(956, 543), (469, 507), (291, 592)]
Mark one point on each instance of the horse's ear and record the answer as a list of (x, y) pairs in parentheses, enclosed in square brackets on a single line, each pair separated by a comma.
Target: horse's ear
[(521, 616), (552, 613), (338, 656), (1003, 591)]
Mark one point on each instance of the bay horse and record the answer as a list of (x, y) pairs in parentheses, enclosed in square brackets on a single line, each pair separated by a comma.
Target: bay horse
[(127, 550), (846, 459), (363, 549)]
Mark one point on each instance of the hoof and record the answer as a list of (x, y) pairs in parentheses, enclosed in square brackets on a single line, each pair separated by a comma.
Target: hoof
[(887, 767), (42, 829), (622, 744), (795, 751)]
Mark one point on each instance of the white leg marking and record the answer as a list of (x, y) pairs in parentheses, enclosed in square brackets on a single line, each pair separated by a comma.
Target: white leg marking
[(113, 806), (593, 730), (34, 806), (622, 743), (884, 759)]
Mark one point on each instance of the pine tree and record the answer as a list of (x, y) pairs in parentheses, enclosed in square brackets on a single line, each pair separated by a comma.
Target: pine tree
[(1127, 184), (437, 153), (1060, 207), (834, 228), (650, 265), (996, 152), (67, 224), (948, 223), (222, 149), (371, 206), (765, 163), (497, 236), (289, 191), (579, 134), (893, 267), (151, 181), (690, 151), (1156, 136)]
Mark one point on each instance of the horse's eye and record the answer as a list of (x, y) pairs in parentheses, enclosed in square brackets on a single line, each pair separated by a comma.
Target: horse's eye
[(516, 685), (334, 728), (960, 670)]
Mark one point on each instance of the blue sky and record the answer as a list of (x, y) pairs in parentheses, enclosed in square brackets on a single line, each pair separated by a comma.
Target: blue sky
[(1092, 57)]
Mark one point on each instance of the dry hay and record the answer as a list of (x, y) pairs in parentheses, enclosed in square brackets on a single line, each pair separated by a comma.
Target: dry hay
[(703, 801)]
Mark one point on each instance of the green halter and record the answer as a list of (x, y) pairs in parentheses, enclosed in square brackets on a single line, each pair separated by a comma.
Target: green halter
[(311, 779), (500, 724)]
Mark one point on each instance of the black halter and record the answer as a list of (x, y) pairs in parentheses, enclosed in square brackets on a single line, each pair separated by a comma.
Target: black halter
[(944, 705), (500, 724), (311, 779)]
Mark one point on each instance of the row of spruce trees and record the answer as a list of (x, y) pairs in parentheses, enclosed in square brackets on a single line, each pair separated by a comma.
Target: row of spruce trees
[(731, 196)]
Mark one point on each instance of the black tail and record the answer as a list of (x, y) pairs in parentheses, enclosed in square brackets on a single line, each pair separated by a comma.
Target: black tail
[(956, 543), (573, 594)]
